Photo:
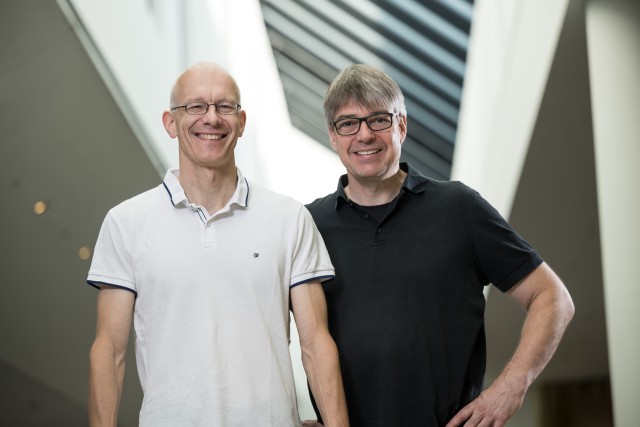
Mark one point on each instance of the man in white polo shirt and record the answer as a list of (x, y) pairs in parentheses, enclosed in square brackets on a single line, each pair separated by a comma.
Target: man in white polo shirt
[(207, 267)]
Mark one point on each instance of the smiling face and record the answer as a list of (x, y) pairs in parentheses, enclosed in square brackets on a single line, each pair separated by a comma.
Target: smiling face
[(369, 156), (206, 140)]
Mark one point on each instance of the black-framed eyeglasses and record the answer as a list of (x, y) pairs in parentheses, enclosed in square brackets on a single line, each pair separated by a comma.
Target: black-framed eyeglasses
[(200, 108), (376, 122)]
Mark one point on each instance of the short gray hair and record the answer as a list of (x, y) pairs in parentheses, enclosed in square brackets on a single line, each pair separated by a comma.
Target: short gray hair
[(364, 85)]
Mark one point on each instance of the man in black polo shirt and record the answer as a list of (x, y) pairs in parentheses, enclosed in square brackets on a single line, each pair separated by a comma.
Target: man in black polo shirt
[(412, 257)]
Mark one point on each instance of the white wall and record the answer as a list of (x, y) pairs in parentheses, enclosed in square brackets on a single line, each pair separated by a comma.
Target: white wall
[(512, 44), (138, 42)]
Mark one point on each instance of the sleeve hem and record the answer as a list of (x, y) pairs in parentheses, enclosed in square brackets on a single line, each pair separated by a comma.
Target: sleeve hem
[(519, 273), (98, 284), (322, 278)]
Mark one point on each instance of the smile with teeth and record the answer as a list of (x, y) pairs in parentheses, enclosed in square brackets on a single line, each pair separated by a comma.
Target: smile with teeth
[(367, 152), (209, 136)]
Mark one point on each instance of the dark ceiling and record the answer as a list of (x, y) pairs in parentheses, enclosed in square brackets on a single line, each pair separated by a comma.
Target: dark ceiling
[(422, 45)]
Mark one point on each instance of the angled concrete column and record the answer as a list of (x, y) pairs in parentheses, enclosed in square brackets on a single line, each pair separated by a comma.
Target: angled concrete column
[(613, 37)]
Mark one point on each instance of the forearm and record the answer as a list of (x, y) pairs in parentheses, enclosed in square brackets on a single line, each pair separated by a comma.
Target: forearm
[(548, 315), (106, 376), (320, 361), (549, 310)]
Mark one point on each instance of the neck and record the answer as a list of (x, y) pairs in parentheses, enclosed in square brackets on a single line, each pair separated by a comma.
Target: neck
[(209, 188), (375, 192)]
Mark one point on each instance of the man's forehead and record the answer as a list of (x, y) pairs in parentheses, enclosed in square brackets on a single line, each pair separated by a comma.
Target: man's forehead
[(207, 87), (355, 109)]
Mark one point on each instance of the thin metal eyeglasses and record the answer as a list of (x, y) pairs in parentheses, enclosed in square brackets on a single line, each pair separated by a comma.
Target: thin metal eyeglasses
[(376, 122), (200, 108)]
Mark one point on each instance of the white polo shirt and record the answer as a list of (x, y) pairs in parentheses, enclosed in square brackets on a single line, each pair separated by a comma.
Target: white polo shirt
[(211, 315)]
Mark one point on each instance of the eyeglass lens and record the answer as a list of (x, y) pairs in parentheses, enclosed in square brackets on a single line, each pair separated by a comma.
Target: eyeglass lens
[(350, 126), (200, 108)]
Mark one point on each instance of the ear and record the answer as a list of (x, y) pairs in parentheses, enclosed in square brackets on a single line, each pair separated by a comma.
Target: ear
[(169, 123), (243, 120), (402, 126)]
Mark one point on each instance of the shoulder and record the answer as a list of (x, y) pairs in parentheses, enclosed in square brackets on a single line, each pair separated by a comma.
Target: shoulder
[(323, 204), (263, 198), (430, 188), (449, 188), (143, 202), (446, 193)]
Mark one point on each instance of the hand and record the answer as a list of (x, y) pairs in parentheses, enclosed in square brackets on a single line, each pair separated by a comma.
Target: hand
[(492, 408), (311, 423)]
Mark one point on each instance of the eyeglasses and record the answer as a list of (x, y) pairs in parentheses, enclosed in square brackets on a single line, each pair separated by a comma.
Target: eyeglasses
[(376, 122), (200, 108)]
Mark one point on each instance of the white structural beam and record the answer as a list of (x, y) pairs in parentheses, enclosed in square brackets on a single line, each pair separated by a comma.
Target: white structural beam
[(511, 49), (613, 37)]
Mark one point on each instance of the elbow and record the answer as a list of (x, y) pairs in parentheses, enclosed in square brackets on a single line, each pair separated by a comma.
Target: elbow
[(318, 346), (566, 306), (102, 351), (570, 308), (96, 352), (308, 348), (99, 349)]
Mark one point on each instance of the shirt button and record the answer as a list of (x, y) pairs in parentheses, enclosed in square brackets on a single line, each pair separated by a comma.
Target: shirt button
[(379, 230)]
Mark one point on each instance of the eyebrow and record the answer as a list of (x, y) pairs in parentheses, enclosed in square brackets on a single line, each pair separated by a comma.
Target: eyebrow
[(353, 116)]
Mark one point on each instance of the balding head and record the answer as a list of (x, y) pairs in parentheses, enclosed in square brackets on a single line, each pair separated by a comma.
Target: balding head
[(202, 69)]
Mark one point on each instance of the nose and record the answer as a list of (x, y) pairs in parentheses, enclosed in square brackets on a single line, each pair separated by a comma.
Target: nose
[(211, 116), (365, 133)]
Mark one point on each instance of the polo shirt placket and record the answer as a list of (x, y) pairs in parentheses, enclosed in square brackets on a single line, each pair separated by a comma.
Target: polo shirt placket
[(209, 228)]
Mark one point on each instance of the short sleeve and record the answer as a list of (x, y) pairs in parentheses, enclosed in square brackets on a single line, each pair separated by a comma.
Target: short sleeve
[(310, 258), (503, 256), (111, 264)]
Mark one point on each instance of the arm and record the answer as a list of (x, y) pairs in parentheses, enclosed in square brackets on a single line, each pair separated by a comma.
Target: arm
[(319, 353), (549, 310), (106, 358)]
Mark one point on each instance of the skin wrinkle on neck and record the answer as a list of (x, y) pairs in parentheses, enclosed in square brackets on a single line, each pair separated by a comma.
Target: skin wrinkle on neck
[(375, 193)]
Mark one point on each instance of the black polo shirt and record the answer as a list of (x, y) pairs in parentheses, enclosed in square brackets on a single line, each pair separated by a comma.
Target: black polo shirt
[(406, 308)]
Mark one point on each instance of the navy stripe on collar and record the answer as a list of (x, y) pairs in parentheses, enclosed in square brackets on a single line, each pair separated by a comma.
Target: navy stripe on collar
[(170, 195)]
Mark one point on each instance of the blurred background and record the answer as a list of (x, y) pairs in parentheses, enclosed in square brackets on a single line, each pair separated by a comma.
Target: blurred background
[(534, 104)]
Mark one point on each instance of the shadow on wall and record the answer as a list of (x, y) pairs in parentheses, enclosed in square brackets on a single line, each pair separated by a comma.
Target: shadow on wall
[(27, 402)]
